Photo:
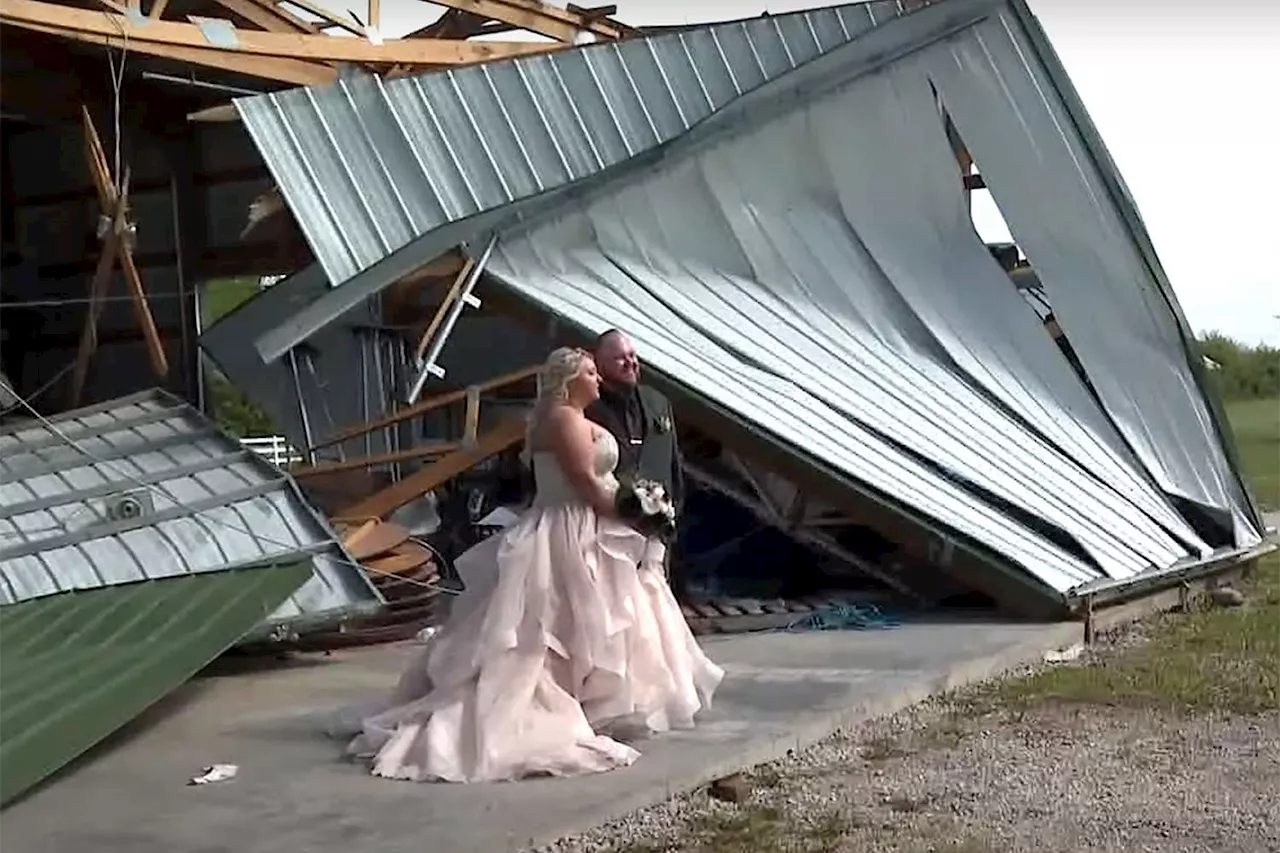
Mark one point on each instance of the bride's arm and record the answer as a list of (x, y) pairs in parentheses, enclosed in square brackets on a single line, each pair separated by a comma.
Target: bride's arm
[(572, 440)]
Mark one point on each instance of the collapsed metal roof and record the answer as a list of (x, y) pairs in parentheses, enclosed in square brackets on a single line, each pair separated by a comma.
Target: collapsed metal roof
[(802, 259), (145, 487), (369, 165)]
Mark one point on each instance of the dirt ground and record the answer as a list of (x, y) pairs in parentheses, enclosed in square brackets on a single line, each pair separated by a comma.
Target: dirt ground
[(1163, 738)]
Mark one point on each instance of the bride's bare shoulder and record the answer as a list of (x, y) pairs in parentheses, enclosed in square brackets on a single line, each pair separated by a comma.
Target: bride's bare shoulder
[(558, 425)]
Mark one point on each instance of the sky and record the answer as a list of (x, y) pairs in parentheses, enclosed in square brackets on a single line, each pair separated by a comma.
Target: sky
[(1179, 92)]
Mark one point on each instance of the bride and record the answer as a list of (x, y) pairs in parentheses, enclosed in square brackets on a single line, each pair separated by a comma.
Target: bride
[(567, 642)]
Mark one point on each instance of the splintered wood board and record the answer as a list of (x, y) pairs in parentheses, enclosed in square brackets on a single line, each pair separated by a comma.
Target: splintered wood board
[(373, 538), (405, 558)]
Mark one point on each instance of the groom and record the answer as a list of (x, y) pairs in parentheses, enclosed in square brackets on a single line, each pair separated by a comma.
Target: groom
[(640, 419)]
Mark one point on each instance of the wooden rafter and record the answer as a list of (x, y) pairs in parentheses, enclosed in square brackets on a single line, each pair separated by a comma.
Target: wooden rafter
[(269, 16), (421, 451), (542, 18), (380, 504), (292, 71), (341, 21), (157, 36), (274, 40)]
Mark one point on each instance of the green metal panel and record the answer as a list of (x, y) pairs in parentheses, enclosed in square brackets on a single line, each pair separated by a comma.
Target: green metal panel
[(76, 666)]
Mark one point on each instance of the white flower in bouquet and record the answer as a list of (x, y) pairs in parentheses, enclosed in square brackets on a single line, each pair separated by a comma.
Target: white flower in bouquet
[(654, 500)]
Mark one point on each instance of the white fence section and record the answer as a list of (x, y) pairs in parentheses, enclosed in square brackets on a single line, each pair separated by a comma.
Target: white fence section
[(275, 448)]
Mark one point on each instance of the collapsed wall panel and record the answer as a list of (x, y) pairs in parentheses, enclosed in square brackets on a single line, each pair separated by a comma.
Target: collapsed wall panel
[(842, 301), (145, 488), (1104, 295), (77, 666), (804, 263)]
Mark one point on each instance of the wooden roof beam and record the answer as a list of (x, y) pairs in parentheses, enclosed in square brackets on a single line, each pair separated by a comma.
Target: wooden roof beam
[(156, 37), (269, 16), (292, 71), (535, 17), (340, 21)]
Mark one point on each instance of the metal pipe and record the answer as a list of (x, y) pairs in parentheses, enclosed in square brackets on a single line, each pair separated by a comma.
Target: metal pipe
[(192, 371), (199, 84), (455, 310), (380, 385), (302, 407), (323, 389), (363, 337), (1105, 589)]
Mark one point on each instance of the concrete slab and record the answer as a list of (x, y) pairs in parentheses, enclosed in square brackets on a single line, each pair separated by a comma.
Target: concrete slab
[(294, 794)]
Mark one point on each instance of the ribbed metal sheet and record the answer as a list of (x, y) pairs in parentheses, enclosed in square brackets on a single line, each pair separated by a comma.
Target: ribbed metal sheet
[(841, 301), (592, 290), (76, 666), (208, 505), (367, 165), (1104, 285), (371, 167)]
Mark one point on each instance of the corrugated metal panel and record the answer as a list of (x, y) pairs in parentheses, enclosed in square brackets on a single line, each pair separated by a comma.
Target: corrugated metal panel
[(368, 164), (1029, 148), (592, 291), (878, 44), (206, 505), (77, 666), (841, 301), (1109, 177)]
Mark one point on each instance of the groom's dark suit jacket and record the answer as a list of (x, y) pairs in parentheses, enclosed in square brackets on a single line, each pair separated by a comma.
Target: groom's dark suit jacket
[(641, 420)]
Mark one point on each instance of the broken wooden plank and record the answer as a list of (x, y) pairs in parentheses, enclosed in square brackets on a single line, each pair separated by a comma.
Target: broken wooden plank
[(424, 406), (545, 19), (455, 290), (422, 451), (284, 70), (269, 16), (409, 558), (114, 204), (471, 426), (378, 537), (98, 288), (94, 26), (442, 470)]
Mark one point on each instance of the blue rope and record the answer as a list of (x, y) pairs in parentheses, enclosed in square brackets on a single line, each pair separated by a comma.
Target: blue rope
[(844, 617)]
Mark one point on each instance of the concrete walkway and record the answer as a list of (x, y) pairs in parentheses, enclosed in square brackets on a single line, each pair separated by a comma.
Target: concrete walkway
[(293, 794)]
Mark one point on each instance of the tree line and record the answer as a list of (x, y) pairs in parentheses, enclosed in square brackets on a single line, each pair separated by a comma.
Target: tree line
[(1241, 371)]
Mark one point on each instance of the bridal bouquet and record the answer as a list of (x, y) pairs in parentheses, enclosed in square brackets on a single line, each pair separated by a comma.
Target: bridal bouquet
[(646, 505)]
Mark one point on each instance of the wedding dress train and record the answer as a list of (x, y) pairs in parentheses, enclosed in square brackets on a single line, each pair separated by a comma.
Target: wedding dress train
[(567, 639)]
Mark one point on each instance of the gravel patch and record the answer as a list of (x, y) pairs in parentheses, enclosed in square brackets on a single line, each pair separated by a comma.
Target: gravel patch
[(954, 775)]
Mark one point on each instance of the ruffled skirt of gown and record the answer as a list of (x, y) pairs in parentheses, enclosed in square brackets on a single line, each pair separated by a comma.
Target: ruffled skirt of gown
[(567, 638)]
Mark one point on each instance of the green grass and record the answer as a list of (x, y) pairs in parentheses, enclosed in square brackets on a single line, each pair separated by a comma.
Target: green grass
[(1209, 660), (1256, 424), (228, 404), (224, 295), (1212, 659)]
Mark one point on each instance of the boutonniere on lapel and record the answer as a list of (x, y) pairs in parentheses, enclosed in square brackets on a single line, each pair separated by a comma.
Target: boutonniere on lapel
[(664, 424)]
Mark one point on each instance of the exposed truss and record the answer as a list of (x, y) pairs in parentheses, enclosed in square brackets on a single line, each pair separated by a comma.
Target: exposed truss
[(300, 42)]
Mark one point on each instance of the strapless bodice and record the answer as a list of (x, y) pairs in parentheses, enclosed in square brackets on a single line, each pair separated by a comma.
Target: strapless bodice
[(554, 487)]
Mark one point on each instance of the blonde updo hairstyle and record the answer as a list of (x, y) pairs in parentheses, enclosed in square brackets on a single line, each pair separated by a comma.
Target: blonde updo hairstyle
[(562, 366)]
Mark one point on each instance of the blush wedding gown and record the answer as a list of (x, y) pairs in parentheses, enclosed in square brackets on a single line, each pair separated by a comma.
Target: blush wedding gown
[(566, 643)]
